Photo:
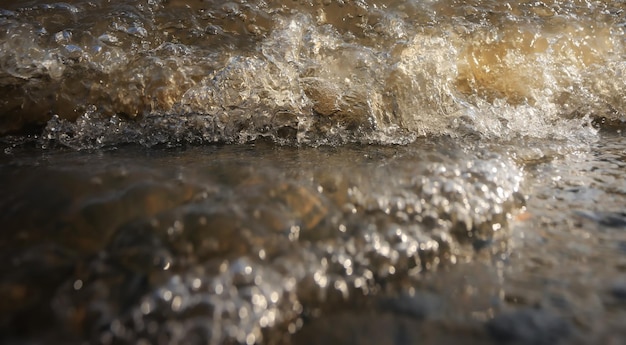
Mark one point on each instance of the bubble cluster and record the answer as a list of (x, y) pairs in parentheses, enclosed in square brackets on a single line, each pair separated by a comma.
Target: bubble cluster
[(244, 248)]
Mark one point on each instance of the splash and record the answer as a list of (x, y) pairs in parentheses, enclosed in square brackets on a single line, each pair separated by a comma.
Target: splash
[(385, 72)]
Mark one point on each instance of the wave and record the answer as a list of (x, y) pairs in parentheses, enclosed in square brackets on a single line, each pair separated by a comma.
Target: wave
[(91, 74)]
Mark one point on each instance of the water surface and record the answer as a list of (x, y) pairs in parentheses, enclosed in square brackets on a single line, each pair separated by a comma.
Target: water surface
[(312, 172)]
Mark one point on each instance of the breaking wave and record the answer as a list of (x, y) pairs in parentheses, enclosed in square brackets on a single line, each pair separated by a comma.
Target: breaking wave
[(96, 74)]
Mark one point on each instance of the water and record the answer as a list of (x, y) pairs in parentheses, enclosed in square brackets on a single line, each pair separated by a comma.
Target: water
[(308, 172)]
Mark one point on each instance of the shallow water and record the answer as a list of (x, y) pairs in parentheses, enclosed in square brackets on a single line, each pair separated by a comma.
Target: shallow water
[(308, 172), (251, 243)]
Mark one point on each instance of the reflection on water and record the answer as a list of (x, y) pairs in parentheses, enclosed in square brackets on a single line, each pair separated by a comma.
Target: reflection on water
[(312, 172), (234, 240), (254, 243), (574, 242)]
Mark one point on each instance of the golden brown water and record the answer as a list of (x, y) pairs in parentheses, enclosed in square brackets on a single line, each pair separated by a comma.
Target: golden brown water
[(312, 172), (308, 72)]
